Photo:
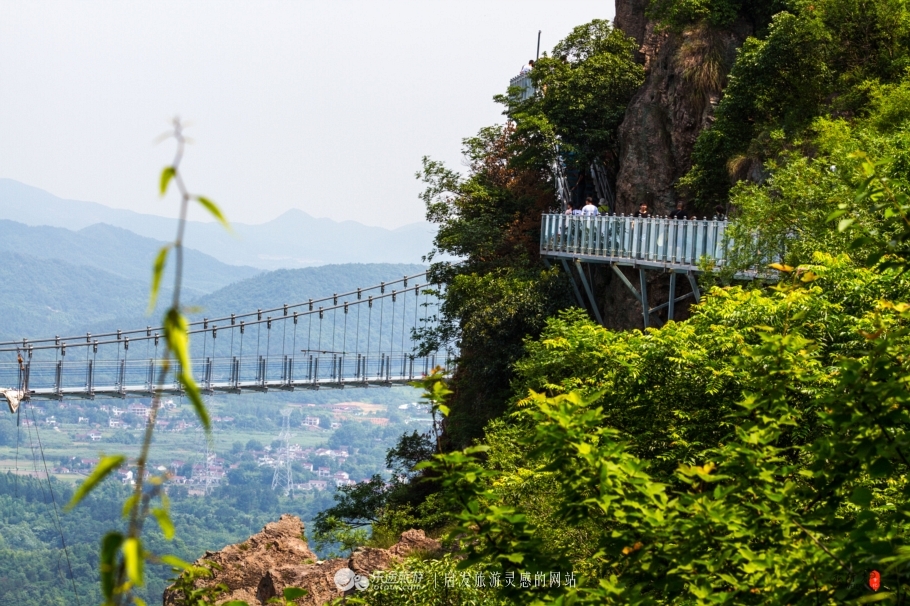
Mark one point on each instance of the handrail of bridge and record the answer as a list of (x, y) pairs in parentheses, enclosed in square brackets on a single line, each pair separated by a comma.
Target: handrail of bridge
[(209, 324), (651, 241)]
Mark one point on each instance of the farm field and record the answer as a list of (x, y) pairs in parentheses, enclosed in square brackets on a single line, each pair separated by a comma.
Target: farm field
[(77, 432)]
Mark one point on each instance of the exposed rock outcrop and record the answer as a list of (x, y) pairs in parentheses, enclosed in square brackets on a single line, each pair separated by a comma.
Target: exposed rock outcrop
[(684, 73), (631, 19), (261, 567)]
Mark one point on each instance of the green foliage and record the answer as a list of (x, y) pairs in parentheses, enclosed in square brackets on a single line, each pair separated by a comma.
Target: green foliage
[(790, 211), (825, 59), (500, 292), (891, 203), (188, 592), (337, 537), (411, 449), (356, 505), (716, 13), (585, 88), (124, 554), (441, 582), (410, 499), (36, 570), (753, 454), (288, 596), (105, 466)]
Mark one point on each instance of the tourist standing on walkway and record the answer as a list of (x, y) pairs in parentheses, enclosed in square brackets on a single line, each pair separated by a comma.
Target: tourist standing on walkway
[(526, 68), (589, 209), (642, 211), (680, 212)]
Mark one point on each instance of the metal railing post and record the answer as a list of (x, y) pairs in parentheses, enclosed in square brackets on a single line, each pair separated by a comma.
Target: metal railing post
[(58, 378)]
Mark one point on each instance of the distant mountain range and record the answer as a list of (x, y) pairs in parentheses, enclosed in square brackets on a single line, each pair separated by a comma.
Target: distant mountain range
[(118, 252), (275, 288), (295, 239), (72, 267), (46, 297)]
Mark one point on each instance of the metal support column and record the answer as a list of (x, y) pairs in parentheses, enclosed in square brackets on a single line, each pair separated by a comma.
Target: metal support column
[(625, 281), (641, 297), (565, 266), (584, 282), (645, 311), (671, 304), (694, 284)]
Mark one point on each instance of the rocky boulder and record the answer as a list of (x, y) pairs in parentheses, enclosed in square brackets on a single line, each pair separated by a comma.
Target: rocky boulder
[(278, 557)]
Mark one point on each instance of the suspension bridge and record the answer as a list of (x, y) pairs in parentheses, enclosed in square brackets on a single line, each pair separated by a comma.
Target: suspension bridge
[(368, 337), (364, 338)]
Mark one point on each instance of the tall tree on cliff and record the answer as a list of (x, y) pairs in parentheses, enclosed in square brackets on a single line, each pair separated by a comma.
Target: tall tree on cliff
[(499, 293)]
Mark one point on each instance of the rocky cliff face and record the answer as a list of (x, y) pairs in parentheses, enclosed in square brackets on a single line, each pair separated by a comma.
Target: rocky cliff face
[(684, 74), (261, 567)]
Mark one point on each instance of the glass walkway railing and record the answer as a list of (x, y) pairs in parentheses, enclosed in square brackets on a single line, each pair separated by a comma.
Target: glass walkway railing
[(651, 242), (523, 81)]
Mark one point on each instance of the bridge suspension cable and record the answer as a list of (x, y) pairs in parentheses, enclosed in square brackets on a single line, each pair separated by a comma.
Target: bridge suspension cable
[(111, 367), (76, 340)]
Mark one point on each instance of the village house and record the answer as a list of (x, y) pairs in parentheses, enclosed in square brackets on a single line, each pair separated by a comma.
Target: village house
[(323, 472), (140, 410)]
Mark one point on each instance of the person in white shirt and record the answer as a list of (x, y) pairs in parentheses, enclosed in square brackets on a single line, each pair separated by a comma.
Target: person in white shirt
[(526, 68), (589, 209)]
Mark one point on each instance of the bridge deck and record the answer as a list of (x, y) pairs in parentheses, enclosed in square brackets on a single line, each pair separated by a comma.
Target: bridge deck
[(143, 391), (138, 378)]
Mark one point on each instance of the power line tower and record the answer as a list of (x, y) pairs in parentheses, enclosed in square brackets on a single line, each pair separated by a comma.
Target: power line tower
[(206, 454), (283, 476), (208, 458)]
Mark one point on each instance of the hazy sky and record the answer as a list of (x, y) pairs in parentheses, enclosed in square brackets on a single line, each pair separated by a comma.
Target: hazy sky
[(322, 106)]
